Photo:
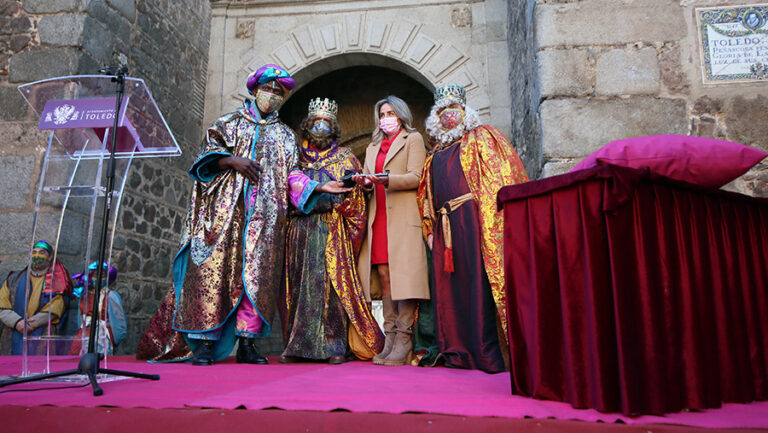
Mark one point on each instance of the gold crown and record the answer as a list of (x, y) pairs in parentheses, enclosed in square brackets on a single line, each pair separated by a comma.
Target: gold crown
[(323, 107)]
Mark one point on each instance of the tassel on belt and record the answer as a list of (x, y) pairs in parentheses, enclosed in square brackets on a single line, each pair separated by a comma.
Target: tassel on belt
[(445, 222)]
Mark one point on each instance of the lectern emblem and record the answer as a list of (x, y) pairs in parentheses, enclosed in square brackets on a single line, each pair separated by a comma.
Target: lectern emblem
[(62, 113)]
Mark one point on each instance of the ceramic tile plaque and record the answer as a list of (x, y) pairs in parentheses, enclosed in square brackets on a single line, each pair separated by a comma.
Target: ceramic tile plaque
[(734, 43)]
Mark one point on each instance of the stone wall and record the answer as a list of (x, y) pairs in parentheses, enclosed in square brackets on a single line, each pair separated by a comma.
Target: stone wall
[(580, 73), (524, 85), (614, 69), (431, 41), (163, 42)]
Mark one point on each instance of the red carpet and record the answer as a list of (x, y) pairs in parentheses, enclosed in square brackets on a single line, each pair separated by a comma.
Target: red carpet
[(308, 391), (113, 420)]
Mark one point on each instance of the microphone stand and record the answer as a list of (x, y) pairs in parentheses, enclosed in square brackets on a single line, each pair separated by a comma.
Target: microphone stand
[(89, 363)]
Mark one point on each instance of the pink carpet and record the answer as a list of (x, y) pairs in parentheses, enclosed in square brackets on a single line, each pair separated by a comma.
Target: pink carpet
[(355, 386)]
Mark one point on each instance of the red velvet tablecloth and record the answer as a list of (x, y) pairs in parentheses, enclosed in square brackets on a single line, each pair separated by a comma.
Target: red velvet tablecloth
[(631, 292)]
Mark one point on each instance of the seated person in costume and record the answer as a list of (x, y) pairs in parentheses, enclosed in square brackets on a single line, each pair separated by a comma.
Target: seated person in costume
[(113, 325), (49, 284), (458, 188), (324, 312)]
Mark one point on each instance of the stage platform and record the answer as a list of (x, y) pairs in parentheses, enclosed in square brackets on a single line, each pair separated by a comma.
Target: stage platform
[(356, 396)]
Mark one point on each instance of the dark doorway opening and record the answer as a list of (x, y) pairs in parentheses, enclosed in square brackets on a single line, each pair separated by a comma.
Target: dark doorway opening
[(356, 89)]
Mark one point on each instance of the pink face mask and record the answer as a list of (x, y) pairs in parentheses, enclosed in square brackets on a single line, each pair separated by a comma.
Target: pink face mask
[(389, 125), (451, 118)]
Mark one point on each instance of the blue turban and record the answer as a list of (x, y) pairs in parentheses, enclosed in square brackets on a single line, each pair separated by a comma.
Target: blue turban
[(268, 73)]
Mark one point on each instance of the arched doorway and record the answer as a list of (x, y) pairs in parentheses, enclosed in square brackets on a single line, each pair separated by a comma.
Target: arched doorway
[(356, 89), (433, 43)]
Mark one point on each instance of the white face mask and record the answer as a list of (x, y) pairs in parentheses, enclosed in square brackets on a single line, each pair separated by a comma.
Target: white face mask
[(389, 125)]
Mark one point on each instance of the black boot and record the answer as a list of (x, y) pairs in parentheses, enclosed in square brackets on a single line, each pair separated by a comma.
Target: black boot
[(204, 353), (247, 353)]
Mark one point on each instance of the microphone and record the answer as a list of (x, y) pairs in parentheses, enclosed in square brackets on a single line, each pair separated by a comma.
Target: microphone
[(114, 70)]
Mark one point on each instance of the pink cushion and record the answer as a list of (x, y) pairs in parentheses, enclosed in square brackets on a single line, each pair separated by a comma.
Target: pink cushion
[(697, 160)]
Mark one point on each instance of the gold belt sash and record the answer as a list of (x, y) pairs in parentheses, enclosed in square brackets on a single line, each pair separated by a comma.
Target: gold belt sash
[(445, 222)]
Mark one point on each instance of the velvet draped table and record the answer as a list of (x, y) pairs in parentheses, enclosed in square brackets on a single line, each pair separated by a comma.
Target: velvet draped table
[(632, 292)]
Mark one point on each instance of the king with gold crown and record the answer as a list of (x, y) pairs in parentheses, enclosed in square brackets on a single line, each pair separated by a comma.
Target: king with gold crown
[(324, 312), (457, 199)]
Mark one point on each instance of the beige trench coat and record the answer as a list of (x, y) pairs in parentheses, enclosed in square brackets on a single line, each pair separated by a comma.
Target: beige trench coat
[(407, 254)]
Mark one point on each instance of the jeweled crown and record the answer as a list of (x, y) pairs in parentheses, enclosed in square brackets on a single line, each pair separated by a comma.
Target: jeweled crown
[(323, 107), (451, 91)]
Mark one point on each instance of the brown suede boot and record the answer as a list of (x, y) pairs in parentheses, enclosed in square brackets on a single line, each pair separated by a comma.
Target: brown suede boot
[(390, 316), (403, 350)]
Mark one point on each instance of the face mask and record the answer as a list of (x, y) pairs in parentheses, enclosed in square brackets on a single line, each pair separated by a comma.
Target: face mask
[(320, 129), (39, 262), (451, 118), (268, 102), (92, 281), (389, 125)]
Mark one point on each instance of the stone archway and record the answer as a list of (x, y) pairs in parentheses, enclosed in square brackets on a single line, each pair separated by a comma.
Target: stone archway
[(429, 42), (401, 45), (356, 89), (432, 42)]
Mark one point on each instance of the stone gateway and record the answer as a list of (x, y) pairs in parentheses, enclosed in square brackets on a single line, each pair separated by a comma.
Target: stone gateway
[(560, 78)]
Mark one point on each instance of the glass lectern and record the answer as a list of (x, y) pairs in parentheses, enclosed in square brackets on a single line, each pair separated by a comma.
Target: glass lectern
[(80, 113)]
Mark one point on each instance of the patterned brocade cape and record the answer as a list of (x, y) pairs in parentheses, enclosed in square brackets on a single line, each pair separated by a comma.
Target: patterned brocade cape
[(232, 243), (489, 162), (345, 217)]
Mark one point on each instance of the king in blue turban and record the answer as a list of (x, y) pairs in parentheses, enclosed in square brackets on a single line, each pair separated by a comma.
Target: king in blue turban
[(228, 268)]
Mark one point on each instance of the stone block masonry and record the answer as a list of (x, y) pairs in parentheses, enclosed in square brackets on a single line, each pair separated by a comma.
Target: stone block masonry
[(610, 70), (566, 72), (628, 72), (580, 73), (525, 88), (163, 42), (576, 127), (607, 22)]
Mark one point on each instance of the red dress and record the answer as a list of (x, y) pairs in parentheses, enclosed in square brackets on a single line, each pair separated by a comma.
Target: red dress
[(379, 252)]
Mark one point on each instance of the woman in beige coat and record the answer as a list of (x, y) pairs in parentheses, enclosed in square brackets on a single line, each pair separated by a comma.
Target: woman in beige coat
[(393, 251)]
